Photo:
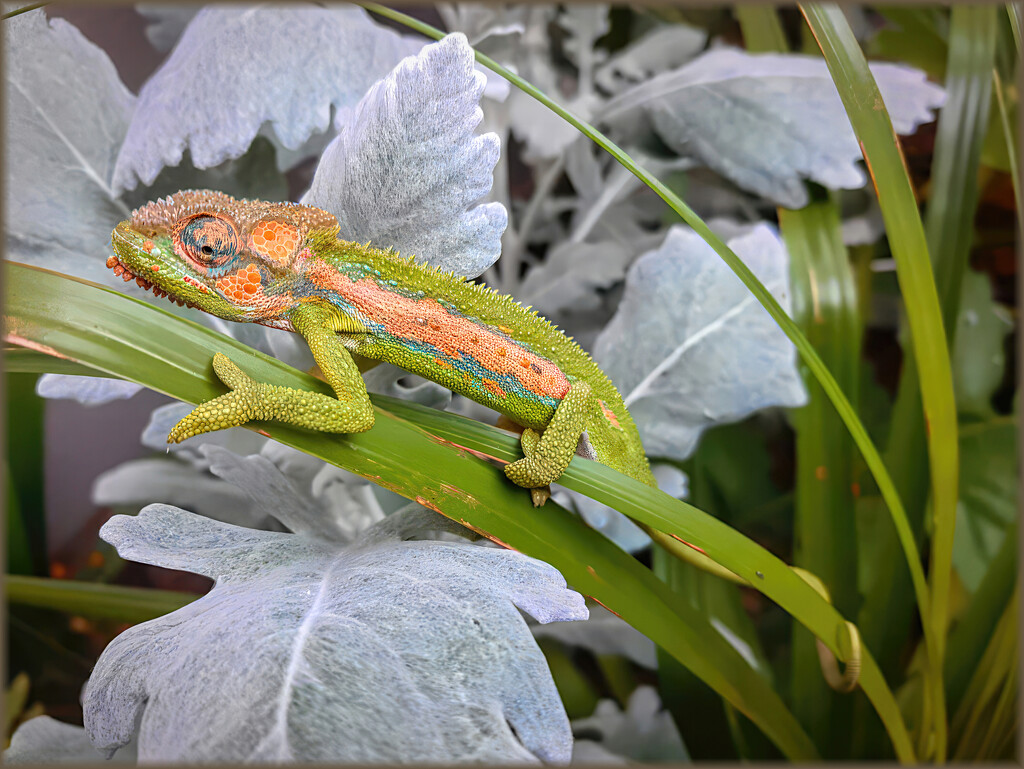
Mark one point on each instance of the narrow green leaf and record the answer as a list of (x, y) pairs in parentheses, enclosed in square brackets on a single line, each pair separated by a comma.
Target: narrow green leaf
[(92, 599), (24, 435), (907, 241), (975, 628), (437, 462), (825, 304)]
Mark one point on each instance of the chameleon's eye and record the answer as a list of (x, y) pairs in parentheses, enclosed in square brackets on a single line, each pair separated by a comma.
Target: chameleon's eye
[(207, 240)]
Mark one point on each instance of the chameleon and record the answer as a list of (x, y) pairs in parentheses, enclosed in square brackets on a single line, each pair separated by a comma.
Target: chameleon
[(283, 265)]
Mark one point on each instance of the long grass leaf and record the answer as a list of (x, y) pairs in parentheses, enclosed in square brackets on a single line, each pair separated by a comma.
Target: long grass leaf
[(96, 600), (906, 235)]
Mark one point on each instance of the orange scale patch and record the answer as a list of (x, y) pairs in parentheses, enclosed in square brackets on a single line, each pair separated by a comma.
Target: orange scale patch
[(609, 415), (242, 287), (276, 241)]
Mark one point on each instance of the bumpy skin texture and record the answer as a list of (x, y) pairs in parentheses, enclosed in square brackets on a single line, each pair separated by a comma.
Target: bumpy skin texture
[(283, 265)]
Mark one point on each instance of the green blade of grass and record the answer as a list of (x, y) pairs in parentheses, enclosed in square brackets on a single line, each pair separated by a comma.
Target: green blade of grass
[(972, 631), (871, 123), (825, 306), (435, 458), (885, 618), (825, 302), (96, 600), (128, 338)]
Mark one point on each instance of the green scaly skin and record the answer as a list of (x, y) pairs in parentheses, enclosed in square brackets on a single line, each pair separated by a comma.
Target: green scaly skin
[(345, 298)]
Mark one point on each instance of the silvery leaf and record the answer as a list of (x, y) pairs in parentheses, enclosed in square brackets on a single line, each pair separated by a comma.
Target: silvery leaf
[(87, 390), (545, 134), (570, 276), (387, 379), (604, 633), (643, 733), (65, 114), (481, 21), (347, 508), (979, 357), (691, 347), (382, 651), (768, 121), (406, 169), (665, 47), (45, 740), (166, 22), (139, 482), (584, 23), (609, 521), (237, 67)]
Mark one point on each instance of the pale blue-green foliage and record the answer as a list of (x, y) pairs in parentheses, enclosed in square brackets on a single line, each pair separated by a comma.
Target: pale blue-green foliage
[(766, 121), (979, 359), (240, 477), (644, 732), (989, 490), (237, 67), (603, 633), (690, 347), (65, 114), (384, 650), (87, 390), (407, 167), (45, 740)]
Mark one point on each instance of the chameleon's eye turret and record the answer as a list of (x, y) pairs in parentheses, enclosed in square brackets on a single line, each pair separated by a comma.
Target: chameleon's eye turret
[(208, 241)]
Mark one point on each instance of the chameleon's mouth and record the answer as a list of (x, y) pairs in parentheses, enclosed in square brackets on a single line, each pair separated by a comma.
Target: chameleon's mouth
[(121, 270)]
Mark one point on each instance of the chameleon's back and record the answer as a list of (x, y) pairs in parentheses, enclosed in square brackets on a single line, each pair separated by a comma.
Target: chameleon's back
[(476, 342)]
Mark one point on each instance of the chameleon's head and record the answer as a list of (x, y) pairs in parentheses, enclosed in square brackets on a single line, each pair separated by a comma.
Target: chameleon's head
[(238, 259)]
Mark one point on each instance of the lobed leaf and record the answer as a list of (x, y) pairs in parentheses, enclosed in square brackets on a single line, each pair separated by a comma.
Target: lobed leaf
[(767, 122), (45, 740), (406, 167), (238, 67), (65, 114), (308, 651), (690, 347), (87, 390)]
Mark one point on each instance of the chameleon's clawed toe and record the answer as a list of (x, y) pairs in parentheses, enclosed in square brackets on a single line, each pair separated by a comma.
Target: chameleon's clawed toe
[(540, 495)]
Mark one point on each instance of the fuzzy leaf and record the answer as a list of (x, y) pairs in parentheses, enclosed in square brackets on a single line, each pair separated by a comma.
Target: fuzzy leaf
[(330, 503), (978, 352), (569, 277), (645, 732), (385, 650), (690, 347), (45, 740), (767, 122), (406, 168), (604, 633), (65, 114), (87, 390), (237, 67), (989, 489), (167, 22), (665, 47), (138, 482)]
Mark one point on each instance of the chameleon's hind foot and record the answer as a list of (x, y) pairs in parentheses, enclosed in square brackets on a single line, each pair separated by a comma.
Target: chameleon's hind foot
[(250, 400)]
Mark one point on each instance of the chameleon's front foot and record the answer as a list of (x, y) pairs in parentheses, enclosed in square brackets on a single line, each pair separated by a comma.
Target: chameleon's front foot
[(250, 400)]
